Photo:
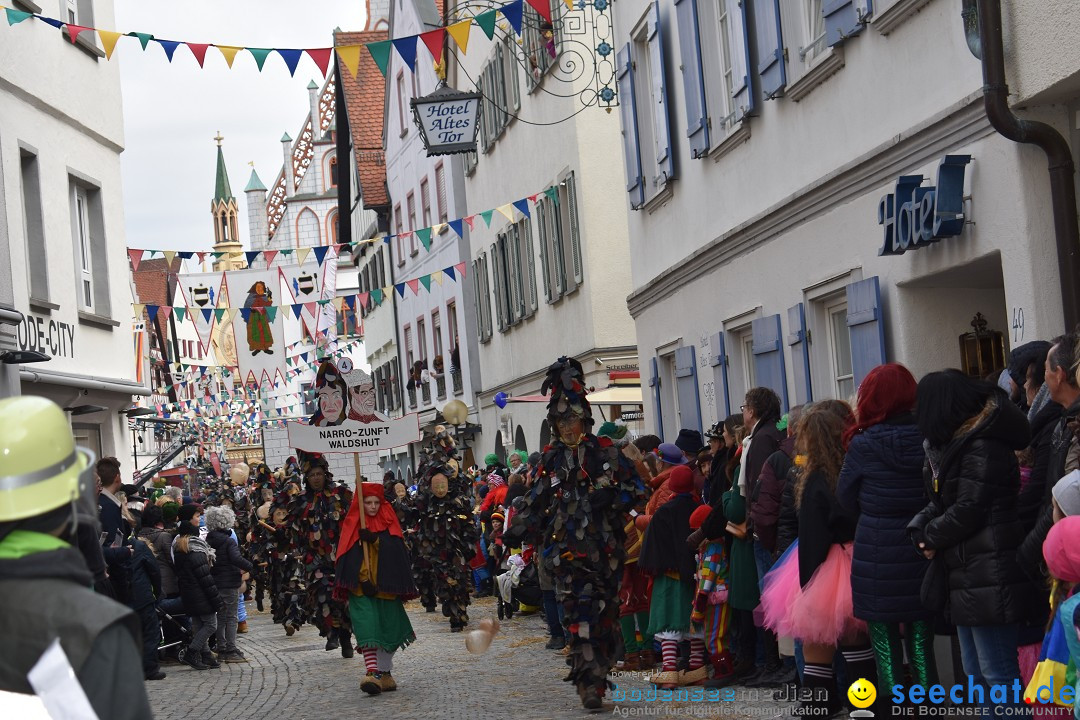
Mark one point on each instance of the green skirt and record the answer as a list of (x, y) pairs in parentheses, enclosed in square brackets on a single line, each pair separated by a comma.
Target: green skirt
[(671, 605), (379, 623)]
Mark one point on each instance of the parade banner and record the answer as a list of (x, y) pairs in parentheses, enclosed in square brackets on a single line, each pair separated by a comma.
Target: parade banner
[(306, 284), (203, 294), (346, 420)]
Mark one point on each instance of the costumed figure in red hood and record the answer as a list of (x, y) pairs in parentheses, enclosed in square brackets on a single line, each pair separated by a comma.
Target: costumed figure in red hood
[(445, 538), (574, 513), (373, 571)]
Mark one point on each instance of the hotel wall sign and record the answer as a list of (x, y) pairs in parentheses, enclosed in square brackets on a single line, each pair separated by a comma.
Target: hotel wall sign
[(916, 215)]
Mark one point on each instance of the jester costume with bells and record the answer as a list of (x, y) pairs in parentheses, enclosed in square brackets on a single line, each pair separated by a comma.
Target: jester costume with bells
[(445, 538), (373, 573), (317, 516), (575, 515)]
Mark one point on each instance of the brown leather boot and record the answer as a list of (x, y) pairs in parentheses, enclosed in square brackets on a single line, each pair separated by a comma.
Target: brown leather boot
[(648, 660), (632, 661)]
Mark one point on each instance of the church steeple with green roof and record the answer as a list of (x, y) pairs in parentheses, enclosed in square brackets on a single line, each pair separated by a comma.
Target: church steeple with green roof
[(222, 190), (225, 212)]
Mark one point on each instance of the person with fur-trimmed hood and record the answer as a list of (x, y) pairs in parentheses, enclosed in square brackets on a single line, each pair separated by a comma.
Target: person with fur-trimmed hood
[(317, 516), (445, 540), (228, 571), (575, 514)]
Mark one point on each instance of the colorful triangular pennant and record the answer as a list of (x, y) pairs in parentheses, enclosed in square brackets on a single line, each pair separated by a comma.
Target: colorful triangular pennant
[(406, 48), (512, 12), (349, 55), (291, 58), (460, 32), (486, 21), (380, 53)]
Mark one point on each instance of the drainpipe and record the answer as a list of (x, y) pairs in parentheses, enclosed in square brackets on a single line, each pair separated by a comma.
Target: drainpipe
[(984, 39)]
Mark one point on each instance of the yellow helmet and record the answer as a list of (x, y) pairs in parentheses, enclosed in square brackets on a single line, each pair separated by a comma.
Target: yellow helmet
[(39, 463)]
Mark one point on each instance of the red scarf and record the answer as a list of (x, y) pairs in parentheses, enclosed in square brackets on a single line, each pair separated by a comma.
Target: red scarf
[(385, 519)]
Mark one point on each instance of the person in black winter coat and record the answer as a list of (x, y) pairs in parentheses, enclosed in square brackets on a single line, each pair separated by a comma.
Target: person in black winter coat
[(228, 572), (881, 482), (767, 502), (191, 558), (972, 434), (145, 590)]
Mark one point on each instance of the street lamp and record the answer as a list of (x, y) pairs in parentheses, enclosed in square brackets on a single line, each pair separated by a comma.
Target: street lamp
[(448, 120)]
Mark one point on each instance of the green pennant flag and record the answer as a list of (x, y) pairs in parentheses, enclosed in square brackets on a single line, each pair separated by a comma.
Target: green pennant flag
[(425, 237), (553, 194), (377, 296), (425, 280), (144, 38), (219, 313), (487, 22), (380, 53), (260, 55), (218, 255), (287, 251), (271, 313), (487, 216), (14, 17), (179, 313)]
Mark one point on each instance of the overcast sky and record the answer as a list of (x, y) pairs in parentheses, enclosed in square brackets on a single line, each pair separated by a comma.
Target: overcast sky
[(173, 111)]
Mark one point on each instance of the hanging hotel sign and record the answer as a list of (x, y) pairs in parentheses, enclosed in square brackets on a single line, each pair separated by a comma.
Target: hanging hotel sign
[(916, 215), (448, 120)]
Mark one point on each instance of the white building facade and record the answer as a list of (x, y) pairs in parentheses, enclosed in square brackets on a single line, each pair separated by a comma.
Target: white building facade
[(436, 350), (64, 290), (552, 283), (776, 147)]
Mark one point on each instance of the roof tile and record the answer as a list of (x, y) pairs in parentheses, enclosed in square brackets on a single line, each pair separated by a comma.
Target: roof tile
[(364, 96)]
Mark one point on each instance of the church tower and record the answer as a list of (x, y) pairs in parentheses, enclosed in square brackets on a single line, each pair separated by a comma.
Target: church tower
[(225, 213)]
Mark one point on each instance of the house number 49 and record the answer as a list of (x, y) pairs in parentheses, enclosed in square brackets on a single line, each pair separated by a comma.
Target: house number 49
[(1018, 324)]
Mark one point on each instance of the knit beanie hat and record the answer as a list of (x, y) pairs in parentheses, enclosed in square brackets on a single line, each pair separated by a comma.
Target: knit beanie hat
[(491, 459), (498, 516), (1067, 493), (187, 512), (169, 511), (1062, 550), (681, 479)]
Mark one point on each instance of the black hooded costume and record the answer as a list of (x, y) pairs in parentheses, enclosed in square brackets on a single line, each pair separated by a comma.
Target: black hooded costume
[(574, 513)]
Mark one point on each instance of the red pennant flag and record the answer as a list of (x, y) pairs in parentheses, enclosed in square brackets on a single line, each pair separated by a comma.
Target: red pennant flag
[(269, 255), (542, 7), (321, 56), (74, 30), (434, 40), (363, 298), (164, 311), (198, 50), (414, 285), (136, 258), (470, 220), (310, 307), (460, 267), (532, 198)]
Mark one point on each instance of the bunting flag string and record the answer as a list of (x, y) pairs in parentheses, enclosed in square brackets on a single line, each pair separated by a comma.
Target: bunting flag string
[(349, 55), (511, 211)]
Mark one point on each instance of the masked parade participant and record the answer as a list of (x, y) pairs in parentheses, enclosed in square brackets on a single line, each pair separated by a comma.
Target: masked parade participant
[(373, 572), (44, 481), (575, 514), (260, 537), (317, 515), (286, 571)]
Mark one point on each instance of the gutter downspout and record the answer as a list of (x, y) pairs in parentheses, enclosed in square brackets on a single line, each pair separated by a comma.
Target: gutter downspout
[(1058, 153)]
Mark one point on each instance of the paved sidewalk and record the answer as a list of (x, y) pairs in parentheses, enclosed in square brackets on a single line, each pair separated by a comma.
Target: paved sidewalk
[(295, 679)]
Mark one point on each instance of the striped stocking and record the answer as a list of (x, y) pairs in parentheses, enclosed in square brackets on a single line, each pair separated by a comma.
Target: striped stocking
[(670, 651), (697, 653), (371, 661)]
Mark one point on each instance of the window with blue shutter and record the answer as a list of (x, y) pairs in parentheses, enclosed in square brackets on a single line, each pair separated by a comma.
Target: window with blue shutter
[(741, 92), (665, 158), (654, 383), (769, 357), (842, 20), (867, 327), (770, 47), (800, 353), (624, 77), (687, 388), (718, 360), (697, 122)]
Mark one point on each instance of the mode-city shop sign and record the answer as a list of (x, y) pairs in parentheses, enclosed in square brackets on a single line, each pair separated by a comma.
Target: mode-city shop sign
[(916, 215)]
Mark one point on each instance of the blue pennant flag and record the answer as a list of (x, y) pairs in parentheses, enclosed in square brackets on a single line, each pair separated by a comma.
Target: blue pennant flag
[(406, 46), (186, 255), (245, 313), (252, 256), (523, 206), (151, 311), (51, 21), (350, 300), (297, 309), (400, 287), (170, 47), (320, 253), (455, 225), (207, 313), (512, 13), (450, 273), (291, 58), (386, 239)]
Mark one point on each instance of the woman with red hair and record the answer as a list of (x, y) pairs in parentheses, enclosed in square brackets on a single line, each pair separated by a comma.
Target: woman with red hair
[(882, 482)]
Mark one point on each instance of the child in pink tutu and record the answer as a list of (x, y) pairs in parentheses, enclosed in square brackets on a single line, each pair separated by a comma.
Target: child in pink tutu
[(818, 608)]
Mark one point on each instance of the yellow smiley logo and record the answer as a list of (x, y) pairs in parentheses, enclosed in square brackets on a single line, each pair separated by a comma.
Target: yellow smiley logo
[(862, 693)]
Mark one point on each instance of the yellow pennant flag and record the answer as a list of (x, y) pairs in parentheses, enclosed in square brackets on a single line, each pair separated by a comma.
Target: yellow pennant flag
[(228, 52), (508, 211), (569, 4), (338, 302), (460, 32), (437, 276), (302, 254), (169, 255), (138, 308), (350, 57), (108, 41), (437, 228)]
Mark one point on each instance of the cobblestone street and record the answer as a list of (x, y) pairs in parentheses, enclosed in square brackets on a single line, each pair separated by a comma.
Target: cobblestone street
[(296, 679)]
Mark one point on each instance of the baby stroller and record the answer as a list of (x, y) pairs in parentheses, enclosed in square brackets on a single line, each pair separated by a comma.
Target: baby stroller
[(175, 634)]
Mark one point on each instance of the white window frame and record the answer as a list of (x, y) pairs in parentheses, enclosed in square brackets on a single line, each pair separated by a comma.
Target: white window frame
[(401, 103), (71, 12), (440, 194), (837, 306), (538, 62), (421, 338), (820, 298), (803, 26), (410, 210), (647, 106), (83, 247), (425, 202), (436, 335), (723, 54)]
